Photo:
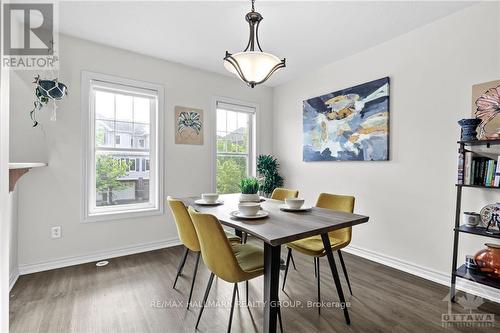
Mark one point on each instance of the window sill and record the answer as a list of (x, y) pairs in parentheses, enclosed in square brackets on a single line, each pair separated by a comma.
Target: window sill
[(123, 215)]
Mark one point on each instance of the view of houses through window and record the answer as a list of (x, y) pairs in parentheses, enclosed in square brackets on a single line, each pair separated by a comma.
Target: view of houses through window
[(234, 148), (122, 134)]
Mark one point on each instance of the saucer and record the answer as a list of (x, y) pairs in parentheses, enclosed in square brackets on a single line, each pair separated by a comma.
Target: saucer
[(285, 208), (261, 214), (204, 203)]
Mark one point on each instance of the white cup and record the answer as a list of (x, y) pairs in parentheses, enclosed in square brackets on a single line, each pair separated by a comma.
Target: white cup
[(210, 197), (471, 219), (249, 208), (294, 203)]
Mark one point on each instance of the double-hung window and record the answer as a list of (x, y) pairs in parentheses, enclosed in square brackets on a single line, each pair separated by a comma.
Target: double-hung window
[(122, 147), (235, 145)]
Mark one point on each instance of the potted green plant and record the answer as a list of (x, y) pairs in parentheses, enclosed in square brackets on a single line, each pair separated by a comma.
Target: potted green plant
[(267, 167), (249, 190)]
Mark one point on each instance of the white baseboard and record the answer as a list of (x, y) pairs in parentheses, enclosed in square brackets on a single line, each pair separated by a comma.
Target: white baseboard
[(426, 273), (14, 275), (113, 253), (405, 266)]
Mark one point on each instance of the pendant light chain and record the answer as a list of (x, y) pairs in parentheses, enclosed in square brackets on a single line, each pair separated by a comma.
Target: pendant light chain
[(253, 5)]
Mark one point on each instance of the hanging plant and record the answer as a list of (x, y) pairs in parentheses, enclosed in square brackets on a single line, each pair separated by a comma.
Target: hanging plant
[(45, 91)]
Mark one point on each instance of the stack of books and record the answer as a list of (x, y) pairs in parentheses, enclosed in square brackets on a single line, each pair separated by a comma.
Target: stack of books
[(479, 170)]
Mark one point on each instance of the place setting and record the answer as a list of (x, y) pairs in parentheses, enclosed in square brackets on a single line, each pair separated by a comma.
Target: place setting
[(295, 205), (249, 211), (209, 199)]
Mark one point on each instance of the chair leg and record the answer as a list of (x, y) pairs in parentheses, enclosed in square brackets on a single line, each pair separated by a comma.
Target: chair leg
[(319, 288), (248, 301), (293, 261), (181, 265), (345, 270), (235, 290), (244, 238), (194, 278), (279, 319), (207, 291), (286, 267), (315, 268)]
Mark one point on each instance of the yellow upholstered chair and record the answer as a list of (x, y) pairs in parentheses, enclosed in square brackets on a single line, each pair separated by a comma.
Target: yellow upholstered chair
[(234, 264), (313, 246), (189, 238), (280, 193)]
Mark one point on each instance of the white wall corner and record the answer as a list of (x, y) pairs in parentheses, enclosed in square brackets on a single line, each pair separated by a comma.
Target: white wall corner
[(14, 275)]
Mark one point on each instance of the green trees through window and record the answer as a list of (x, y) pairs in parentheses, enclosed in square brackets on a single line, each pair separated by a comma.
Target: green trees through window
[(233, 149)]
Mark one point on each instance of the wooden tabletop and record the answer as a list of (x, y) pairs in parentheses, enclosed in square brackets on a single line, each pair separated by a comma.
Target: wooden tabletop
[(279, 227)]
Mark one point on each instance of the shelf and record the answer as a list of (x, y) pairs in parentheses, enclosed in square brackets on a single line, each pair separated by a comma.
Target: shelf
[(480, 142), (16, 170), (473, 275), (481, 231), (13, 166), (478, 186)]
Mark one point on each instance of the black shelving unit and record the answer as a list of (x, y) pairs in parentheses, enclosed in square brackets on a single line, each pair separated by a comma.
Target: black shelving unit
[(462, 271)]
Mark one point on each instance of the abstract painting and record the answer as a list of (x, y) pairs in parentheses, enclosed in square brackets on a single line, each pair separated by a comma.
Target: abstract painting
[(188, 126), (486, 106), (348, 125)]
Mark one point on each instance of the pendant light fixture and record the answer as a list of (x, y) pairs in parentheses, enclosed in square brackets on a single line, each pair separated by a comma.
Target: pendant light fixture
[(253, 67)]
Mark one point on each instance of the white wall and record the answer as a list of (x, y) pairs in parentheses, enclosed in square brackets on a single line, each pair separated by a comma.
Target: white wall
[(410, 199), (52, 196), (5, 221)]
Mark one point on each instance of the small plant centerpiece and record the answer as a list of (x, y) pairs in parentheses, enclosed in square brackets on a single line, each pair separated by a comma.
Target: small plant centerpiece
[(267, 167), (249, 190)]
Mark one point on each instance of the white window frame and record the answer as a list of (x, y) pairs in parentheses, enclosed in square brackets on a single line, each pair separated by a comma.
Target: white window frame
[(89, 211), (253, 133)]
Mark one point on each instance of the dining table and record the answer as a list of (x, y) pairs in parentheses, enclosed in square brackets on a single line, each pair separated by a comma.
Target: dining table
[(276, 229)]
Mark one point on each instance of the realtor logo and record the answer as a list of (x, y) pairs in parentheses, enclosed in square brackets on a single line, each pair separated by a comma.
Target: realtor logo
[(28, 39)]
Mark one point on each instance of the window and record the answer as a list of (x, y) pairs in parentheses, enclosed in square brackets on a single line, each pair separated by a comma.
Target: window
[(129, 112), (235, 146)]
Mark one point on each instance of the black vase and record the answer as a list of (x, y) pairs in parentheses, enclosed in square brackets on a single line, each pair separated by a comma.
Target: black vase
[(469, 127)]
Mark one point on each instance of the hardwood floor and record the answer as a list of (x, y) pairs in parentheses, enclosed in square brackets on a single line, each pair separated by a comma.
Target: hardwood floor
[(134, 294)]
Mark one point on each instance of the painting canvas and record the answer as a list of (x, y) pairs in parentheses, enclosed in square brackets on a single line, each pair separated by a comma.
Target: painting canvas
[(486, 106), (188, 126), (348, 125)]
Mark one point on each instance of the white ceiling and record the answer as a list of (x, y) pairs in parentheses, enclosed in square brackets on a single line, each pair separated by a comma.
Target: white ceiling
[(308, 34)]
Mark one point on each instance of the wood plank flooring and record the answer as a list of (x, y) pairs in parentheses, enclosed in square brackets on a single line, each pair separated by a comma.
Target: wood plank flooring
[(134, 294)]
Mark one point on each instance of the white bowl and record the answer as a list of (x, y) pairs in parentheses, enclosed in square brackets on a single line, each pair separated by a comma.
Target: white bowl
[(294, 203), (249, 208), (210, 197)]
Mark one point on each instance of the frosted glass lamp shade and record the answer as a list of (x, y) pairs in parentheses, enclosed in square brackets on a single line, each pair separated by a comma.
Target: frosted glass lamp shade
[(253, 67)]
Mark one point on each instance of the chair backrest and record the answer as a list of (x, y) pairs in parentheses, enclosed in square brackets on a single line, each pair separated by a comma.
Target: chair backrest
[(280, 193), (216, 250), (185, 227), (342, 203)]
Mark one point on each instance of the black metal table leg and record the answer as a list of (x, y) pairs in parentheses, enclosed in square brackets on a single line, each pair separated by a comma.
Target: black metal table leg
[(335, 273), (271, 286), (238, 233)]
